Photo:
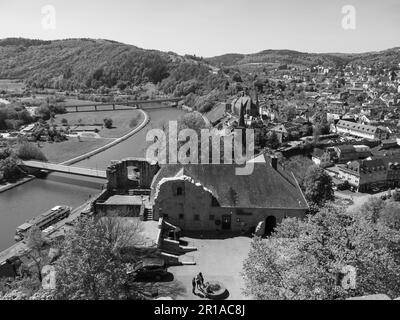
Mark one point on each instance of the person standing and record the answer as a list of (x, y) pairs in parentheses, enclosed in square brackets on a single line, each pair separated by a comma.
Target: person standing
[(198, 283), (201, 279), (194, 286)]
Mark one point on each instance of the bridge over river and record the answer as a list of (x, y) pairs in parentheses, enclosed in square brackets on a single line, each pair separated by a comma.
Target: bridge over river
[(95, 173), (86, 107)]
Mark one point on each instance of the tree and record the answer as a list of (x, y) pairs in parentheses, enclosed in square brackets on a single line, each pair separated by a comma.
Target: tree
[(298, 165), (237, 78), (313, 259), (108, 122), (273, 141), (386, 212), (318, 186), (29, 151), (36, 243), (192, 120), (91, 266)]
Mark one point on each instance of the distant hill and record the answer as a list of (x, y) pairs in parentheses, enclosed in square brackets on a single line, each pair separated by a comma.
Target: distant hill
[(89, 63), (306, 59), (74, 63)]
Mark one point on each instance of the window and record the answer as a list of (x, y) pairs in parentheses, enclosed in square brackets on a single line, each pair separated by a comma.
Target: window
[(196, 217), (212, 217), (178, 189), (181, 216)]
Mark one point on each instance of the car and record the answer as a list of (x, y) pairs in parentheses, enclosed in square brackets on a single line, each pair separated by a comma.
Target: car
[(150, 268), (375, 189)]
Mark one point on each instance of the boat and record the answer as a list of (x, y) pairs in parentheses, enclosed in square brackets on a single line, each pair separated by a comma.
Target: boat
[(43, 221)]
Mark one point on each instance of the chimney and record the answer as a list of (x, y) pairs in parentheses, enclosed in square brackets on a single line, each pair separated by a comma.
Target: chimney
[(274, 163)]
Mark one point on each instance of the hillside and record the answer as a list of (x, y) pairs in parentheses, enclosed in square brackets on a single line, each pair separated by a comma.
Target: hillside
[(77, 63), (97, 64), (307, 59)]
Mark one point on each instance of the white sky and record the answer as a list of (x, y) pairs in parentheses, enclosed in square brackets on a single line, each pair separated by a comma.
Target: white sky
[(212, 27)]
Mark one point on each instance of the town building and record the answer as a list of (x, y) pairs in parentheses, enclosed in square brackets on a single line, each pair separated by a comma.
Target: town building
[(203, 197), (364, 175), (362, 130), (212, 197), (346, 153)]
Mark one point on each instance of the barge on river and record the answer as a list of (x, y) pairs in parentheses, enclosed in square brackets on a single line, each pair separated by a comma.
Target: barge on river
[(43, 221)]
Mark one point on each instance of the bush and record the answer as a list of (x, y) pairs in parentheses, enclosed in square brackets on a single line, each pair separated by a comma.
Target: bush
[(28, 151), (108, 123)]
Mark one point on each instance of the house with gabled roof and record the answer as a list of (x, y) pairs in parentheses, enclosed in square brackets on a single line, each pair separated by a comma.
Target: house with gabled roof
[(362, 130), (211, 197)]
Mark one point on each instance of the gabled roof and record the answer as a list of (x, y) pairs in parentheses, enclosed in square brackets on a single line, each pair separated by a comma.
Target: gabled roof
[(217, 113), (357, 126), (279, 128), (264, 188)]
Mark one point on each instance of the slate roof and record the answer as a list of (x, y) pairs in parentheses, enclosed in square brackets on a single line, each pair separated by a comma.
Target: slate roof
[(217, 113), (264, 188), (357, 126)]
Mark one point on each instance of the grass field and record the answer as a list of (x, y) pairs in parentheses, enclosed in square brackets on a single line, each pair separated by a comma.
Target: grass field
[(121, 121), (66, 150)]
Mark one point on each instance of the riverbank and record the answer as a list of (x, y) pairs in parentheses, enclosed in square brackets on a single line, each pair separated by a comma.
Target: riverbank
[(12, 185), (145, 121), (79, 148)]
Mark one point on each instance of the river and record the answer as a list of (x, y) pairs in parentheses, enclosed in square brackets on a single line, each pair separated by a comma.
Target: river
[(32, 198), (136, 145)]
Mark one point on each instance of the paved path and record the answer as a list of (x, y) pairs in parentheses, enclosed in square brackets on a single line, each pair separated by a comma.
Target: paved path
[(218, 259)]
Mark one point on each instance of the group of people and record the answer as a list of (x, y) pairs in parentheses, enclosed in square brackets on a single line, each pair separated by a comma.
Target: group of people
[(198, 283)]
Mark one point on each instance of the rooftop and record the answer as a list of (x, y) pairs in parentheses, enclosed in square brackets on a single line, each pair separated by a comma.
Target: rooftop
[(265, 187)]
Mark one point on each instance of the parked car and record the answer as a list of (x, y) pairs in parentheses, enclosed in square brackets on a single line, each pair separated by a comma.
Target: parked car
[(150, 268), (375, 190)]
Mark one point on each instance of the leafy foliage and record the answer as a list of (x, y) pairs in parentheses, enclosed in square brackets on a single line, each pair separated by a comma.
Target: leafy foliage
[(29, 151), (304, 259), (90, 266), (318, 186), (108, 122)]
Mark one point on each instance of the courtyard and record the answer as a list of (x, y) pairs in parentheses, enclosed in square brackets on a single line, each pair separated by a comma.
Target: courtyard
[(219, 260)]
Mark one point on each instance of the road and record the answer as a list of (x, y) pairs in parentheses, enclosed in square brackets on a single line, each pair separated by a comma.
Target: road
[(358, 198)]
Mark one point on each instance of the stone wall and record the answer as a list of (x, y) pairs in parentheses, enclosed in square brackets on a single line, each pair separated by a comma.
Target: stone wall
[(194, 209), (119, 179)]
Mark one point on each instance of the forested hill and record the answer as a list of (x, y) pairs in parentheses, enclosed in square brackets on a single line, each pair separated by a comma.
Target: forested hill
[(387, 57), (88, 63), (76, 63)]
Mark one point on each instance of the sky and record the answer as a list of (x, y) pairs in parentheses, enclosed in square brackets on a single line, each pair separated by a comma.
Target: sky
[(211, 27)]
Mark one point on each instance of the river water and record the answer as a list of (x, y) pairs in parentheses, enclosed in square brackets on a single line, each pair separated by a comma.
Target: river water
[(32, 198), (136, 145)]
